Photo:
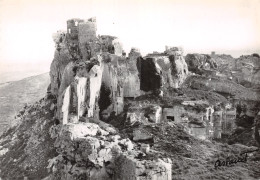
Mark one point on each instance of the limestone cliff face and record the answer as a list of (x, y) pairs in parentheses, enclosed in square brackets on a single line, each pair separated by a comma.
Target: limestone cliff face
[(132, 81), (120, 77), (197, 62), (77, 51), (66, 80), (61, 58), (112, 93), (179, 69), (162, 71)]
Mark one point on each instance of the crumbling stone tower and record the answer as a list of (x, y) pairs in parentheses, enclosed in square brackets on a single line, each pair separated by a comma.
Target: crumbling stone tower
[(82, 64), (72, 29), (81, 37)]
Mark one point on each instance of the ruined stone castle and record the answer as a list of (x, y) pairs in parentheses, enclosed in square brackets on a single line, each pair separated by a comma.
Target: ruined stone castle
[(93, 81), (109, 115), (91, 78)]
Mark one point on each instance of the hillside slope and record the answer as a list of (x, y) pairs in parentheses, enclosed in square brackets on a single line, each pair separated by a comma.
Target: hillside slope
[(28, 148), (13, 95)]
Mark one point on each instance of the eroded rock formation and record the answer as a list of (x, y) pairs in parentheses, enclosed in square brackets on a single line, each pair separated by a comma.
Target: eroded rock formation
[(199, 62), (94, 78), (159, 72), (117, 117)]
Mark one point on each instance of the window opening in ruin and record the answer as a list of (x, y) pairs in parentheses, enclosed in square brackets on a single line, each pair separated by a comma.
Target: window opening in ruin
[(170, 118), (69, 31), (76, 23)]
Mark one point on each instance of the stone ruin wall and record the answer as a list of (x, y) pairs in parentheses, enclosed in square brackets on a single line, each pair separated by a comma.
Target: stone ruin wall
[(203, 124), (185, 116)]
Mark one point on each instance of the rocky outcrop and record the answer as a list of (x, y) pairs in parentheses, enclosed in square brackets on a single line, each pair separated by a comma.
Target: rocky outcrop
[(225, 87), (112, 94), (199, 62), (86, 150), (243, 70), (118, 77), (132, 80), (224, 62), (83, 80), (78, 43), (72, 72), (61, 58), (158, 72), (248, 59)]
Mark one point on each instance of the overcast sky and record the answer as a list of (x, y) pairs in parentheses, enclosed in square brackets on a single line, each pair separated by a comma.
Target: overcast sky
[(224, 26)]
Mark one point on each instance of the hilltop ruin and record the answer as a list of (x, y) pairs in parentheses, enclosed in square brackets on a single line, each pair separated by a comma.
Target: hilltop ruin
[(117, 116)]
